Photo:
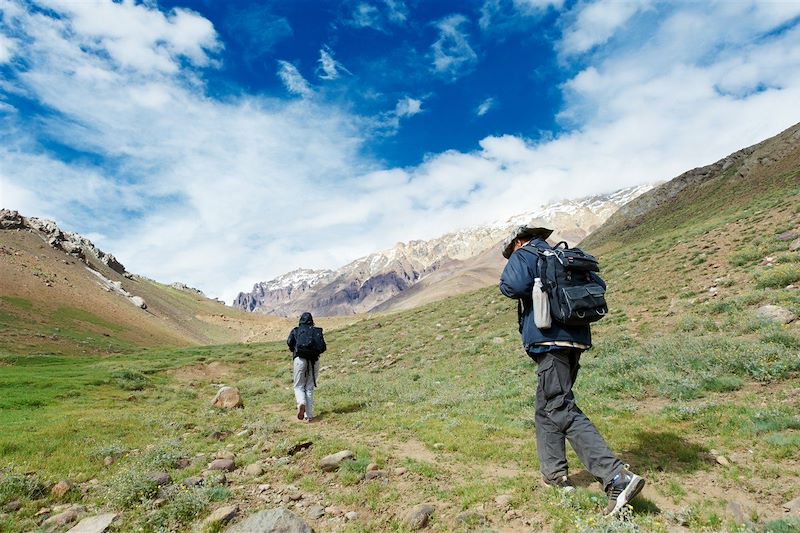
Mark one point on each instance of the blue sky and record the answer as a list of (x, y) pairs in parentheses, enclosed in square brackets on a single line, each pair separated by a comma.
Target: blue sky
[(224, 143)]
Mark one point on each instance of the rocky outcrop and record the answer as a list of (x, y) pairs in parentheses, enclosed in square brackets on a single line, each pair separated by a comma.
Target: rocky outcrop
[(366, 284)]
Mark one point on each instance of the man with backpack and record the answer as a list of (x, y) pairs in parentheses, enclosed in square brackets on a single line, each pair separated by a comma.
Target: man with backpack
[(568, 295), (306, 343)]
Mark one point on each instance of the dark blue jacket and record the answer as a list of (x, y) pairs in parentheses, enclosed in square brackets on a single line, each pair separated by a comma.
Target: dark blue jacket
[(516, 282)]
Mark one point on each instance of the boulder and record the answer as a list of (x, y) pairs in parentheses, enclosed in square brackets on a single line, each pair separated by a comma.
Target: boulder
[(316, 512), (221, 515), (228, 398), (329, 463), (94, 524), (13, 506), (225, 454), (113, 264), (792, 506), (61, 519), (138, 301), (254, 470), (278, 520), (226, 465), (160, 478), (788, 235), (11, 219), (795, 245), (417, 518), (775, 313), (350, 516), (60, 488)]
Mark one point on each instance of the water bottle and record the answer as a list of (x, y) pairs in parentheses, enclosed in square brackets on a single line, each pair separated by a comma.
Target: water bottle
[(541, 305)]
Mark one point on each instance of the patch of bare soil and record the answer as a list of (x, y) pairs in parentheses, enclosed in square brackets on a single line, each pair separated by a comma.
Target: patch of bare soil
[(214, 372)]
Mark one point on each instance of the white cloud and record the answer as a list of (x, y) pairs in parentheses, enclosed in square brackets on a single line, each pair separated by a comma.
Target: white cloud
[(484, 106), (7, 47), (452, 54), (595, 23), (294, 82), (221, 194), (328, 66), (378, 15), (408, 107)]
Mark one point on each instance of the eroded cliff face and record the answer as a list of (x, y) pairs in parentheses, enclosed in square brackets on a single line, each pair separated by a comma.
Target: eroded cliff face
[(376, 279)]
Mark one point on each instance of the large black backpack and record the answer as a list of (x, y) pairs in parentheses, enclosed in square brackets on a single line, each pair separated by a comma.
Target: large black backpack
[(309, 343), (569, 276)]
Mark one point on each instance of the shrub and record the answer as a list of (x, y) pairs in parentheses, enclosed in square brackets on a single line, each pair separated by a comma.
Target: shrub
[(130, 489), (130, 380), (13, 486), (779, 276)]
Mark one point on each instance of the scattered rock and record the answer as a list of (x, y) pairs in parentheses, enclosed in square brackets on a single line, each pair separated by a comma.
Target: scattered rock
[(295, 496), (372, 466), (400, 471), (329, 463), (160, 478), (417, 518), (183, 462), (300, 446), (498, 340), (374, 474), (221, 515), (792, 506), (108, 461), (225, 454), (775, 313), (228, 398), (193, 481), (795, 245), (438, 446), (722, 460), (788, 235), (244, 433), (60, 488), (735, 512), (439, 337), (138, 301), (511, 514), (61, 519), (226, 465), (219, 435), (272, 520), (13, 506), (316, 512), (94, 524), (352, 515), (333, 511), (254, 470), (504, 500)]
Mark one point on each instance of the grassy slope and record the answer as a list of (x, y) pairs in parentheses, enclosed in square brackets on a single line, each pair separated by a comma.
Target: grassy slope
[(445, 391)]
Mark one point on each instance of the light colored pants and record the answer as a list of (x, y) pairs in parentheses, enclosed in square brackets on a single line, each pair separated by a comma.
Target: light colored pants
[(304, 383)]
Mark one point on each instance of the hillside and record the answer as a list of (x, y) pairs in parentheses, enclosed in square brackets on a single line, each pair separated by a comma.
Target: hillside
[(420, 271), (61, 294), (691, 381)]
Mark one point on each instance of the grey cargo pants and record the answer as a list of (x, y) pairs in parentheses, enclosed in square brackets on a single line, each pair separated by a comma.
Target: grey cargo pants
[(558, 418)]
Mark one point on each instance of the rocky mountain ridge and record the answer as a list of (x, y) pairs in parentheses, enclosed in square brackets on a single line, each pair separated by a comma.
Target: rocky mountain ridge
[(373, 281)]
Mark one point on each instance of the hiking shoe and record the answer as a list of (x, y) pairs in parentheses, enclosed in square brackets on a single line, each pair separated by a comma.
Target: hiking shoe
[(562, 483), (301, 411), (623, 488)]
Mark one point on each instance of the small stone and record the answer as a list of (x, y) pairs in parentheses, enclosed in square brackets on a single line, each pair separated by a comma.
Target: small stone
[(159, 502), (194, 481), (316, 512), (439, 337), (225, 454), (263, 488), (775, 313), (61, 519), (295, 496), (221, 515), (511, 514), (498, 340), (329, 463), (788, 235), (160, 478), (352, 515), (244, 433), (226, 465), (795, 245), (42, 511), (372, 466), (13, 506), (183, 462), (254, 470), (333, 511), (438, 446), (375, 474), (60, 488), (417, 518), (227, 398), (504, 500), (108, 461), (400, 471), (792, 506), (94, 524), (722, 460)]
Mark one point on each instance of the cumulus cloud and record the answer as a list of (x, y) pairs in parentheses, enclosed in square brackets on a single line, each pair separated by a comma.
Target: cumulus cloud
[(408, 107), (294, 82), (596, 22), (452, 54), (221, 194), (6, 49), (484, 107)]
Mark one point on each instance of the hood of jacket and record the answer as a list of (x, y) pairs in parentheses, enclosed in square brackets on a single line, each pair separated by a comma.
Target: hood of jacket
[(306, 319)]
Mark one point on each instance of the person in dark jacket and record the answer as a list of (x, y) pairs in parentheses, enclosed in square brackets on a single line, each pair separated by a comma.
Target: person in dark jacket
[(306, 343), (557, 351)]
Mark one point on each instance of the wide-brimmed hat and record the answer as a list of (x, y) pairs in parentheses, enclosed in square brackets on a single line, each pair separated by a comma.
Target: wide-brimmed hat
[(523, 232)]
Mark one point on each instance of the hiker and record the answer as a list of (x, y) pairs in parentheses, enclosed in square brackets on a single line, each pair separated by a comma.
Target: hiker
[(557, 350), (306, 343)]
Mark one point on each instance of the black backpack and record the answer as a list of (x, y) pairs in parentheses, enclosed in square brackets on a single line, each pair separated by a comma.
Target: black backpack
[(309, 343), (569, 276)]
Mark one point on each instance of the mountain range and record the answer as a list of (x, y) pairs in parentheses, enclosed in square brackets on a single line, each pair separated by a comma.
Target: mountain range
[(421, 271)]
